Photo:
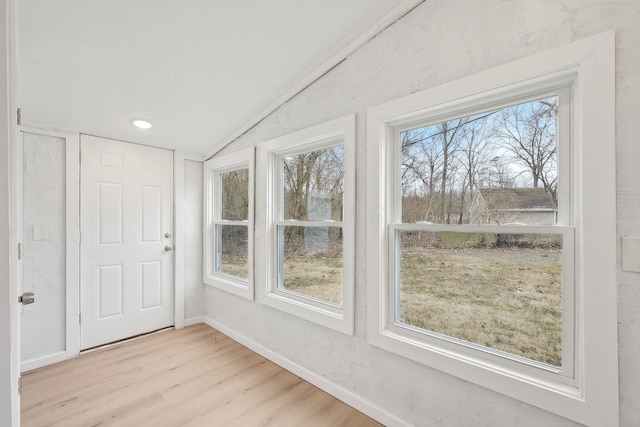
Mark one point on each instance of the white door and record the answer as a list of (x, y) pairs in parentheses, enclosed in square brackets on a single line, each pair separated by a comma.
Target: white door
[(126, 242)]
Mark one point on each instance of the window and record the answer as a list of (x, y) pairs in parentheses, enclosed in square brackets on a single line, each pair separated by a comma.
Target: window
[(482, 256), (480, 260), (310, 253), (228, 262)]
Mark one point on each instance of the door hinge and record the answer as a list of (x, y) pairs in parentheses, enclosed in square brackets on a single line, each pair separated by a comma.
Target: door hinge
[(19, 116), (80, 318), (19, 385), (19, 251)]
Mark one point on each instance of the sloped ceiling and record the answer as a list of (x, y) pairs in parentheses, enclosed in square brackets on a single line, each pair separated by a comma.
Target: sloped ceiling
[(201, 71)]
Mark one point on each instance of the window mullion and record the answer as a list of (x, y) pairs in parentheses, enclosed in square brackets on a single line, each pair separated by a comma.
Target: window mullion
[(296, 223), (243, 222)]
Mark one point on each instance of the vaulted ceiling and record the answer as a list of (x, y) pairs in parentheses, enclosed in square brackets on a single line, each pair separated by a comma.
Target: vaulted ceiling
[(201, 71)]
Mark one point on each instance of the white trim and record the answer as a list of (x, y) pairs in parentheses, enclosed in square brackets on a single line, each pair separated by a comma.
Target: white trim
[(72, 229), (212, 168), (179, 158), (340, 131), (48, 132), (339, 392), (321, 67), (178, 239), (52, 130), (590, 62), (196, 320), (188, 155), (39, 362), (16, 166), (11, 215)]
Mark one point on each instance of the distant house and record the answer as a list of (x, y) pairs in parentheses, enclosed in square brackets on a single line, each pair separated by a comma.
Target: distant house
[(531, 206)]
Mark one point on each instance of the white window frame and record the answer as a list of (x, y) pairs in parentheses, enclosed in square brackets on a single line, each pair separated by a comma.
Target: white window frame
[(340, 131), (586, 388), (244, 159)]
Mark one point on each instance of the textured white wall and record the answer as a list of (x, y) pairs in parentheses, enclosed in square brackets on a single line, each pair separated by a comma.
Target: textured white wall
[(193, 287), (436, 43), (43, 262)]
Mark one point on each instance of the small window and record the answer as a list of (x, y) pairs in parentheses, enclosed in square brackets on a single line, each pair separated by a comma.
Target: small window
[(228, 259), (491, 244), (310, 223)]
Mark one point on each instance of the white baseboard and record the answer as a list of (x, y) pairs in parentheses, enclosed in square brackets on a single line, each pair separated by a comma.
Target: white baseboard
[(39, 362), (193, 320), (319, 381)]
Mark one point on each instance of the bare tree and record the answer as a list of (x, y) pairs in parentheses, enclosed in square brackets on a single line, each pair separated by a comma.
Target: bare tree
[(529, 134), (234, 195), (234, 186), (421, 171), (444, 165), (450, 137), (474, 151), (311, 178)]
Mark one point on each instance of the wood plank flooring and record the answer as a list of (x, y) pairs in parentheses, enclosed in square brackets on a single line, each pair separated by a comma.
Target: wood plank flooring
[(191, 377)]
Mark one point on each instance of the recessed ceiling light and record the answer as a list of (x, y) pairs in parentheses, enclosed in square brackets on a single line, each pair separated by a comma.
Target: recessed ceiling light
[(142, 124)]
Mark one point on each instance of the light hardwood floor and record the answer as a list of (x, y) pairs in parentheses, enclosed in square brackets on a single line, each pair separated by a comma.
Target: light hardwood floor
[(191, 377)]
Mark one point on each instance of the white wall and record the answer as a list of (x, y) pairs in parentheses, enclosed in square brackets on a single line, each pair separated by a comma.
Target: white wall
[(436, 43), (193, 287), (43, 327)]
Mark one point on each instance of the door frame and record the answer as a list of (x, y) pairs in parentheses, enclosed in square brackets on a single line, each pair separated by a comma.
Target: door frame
[(10, 269), (179, 158)]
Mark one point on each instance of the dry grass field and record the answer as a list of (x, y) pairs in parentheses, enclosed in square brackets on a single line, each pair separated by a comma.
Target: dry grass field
[(317, 277), (505, 298)]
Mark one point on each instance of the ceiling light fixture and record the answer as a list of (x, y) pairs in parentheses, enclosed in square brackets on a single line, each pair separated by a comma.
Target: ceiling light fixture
[(142, 124)]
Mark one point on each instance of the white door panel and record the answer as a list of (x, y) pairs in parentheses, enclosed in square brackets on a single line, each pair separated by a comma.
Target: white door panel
[(126, 212)]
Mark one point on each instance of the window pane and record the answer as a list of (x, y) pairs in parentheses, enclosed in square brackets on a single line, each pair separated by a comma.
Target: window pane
[(234, 195), (311, 262), (497, 167), (313, 185), (501, 291), (232, 255)]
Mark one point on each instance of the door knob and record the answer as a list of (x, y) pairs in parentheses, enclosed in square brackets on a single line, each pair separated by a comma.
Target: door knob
[(167, 235), (168, 248), (27, 298)]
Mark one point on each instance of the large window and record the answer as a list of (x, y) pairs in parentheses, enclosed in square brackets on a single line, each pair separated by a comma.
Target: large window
[(482, 256), (488, 226), (310, 223), (228, 259)]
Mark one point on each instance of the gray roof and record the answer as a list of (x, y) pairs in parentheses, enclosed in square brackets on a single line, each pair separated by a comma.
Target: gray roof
[(518, 198)]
